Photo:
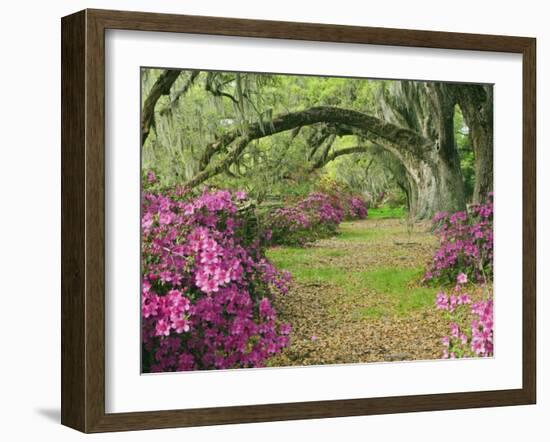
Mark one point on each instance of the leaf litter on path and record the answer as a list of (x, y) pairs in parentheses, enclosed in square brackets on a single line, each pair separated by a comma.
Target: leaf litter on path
[(343, 316)]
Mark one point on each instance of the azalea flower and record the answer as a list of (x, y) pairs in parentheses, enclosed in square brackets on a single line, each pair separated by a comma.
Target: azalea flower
[(165, 218), (162, 328), (462, 278), (205, 290), (454, 330), (479, 341), (285, 329), (465, 244), (240, 195), (442, 301)]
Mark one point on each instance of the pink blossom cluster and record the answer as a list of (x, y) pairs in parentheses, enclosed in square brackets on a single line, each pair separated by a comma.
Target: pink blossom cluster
[(316, 216), (465, 244), (356, 208), (310, 218), (206, 293), (322, 208), (482, 328), (475, 340)]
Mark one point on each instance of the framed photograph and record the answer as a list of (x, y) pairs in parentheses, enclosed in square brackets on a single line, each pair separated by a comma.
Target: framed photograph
[(267, 220)]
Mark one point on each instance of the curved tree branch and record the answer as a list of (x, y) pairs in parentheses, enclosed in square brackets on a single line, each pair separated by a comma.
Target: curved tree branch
[(321, 162), (371, 128), (215, 90), (327, 145), (182, 91), (161, 87)]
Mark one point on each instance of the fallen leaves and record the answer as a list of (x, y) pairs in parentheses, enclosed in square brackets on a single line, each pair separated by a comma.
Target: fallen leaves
[(342, 333)]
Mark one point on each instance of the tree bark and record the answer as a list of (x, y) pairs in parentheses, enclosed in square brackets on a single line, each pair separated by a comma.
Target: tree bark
[(450, 181), (161, 87), (476, 103), (182, 91), (324, 160), (435, 179)]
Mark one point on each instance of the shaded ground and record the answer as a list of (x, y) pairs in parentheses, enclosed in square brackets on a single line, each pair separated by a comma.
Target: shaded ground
[(356, 297)]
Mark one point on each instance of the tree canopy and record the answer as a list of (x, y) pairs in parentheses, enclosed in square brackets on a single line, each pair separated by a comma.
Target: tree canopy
[(277, 134)]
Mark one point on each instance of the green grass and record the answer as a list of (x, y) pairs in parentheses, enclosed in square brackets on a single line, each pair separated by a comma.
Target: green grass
[(387, 212), (398, 285), (390, 291), (292, 258)]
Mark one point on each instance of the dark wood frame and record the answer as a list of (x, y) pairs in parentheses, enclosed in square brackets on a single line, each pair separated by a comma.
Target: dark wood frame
[(83, 217)]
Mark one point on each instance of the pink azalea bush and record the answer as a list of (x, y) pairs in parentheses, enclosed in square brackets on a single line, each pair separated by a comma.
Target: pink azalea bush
[(465, 244), (316, 216), (475, 340), (353, 204), (311, 218), (207, 289), (355, 207)]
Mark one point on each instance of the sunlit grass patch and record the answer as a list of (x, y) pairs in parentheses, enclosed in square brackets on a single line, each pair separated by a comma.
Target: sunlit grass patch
[(293, 258), (378, 291), (390, 291), (387, 212), (399, 289)]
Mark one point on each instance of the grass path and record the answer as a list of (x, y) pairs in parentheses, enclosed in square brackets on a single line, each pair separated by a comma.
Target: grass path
[(356, 297)]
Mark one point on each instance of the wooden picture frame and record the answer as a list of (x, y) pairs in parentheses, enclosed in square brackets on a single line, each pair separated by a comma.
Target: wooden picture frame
[(83, 220)]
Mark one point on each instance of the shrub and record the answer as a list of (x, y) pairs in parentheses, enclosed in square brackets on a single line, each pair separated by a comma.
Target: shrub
[(465, 244), (314, 217), (475, 339), (207, 290), (355, 207), (353, 204)]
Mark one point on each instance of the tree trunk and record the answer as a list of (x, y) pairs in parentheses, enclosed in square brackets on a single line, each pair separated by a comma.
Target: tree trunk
[(435, 178), (449, 178), (433, 188), (476, 103), (426, 192)]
